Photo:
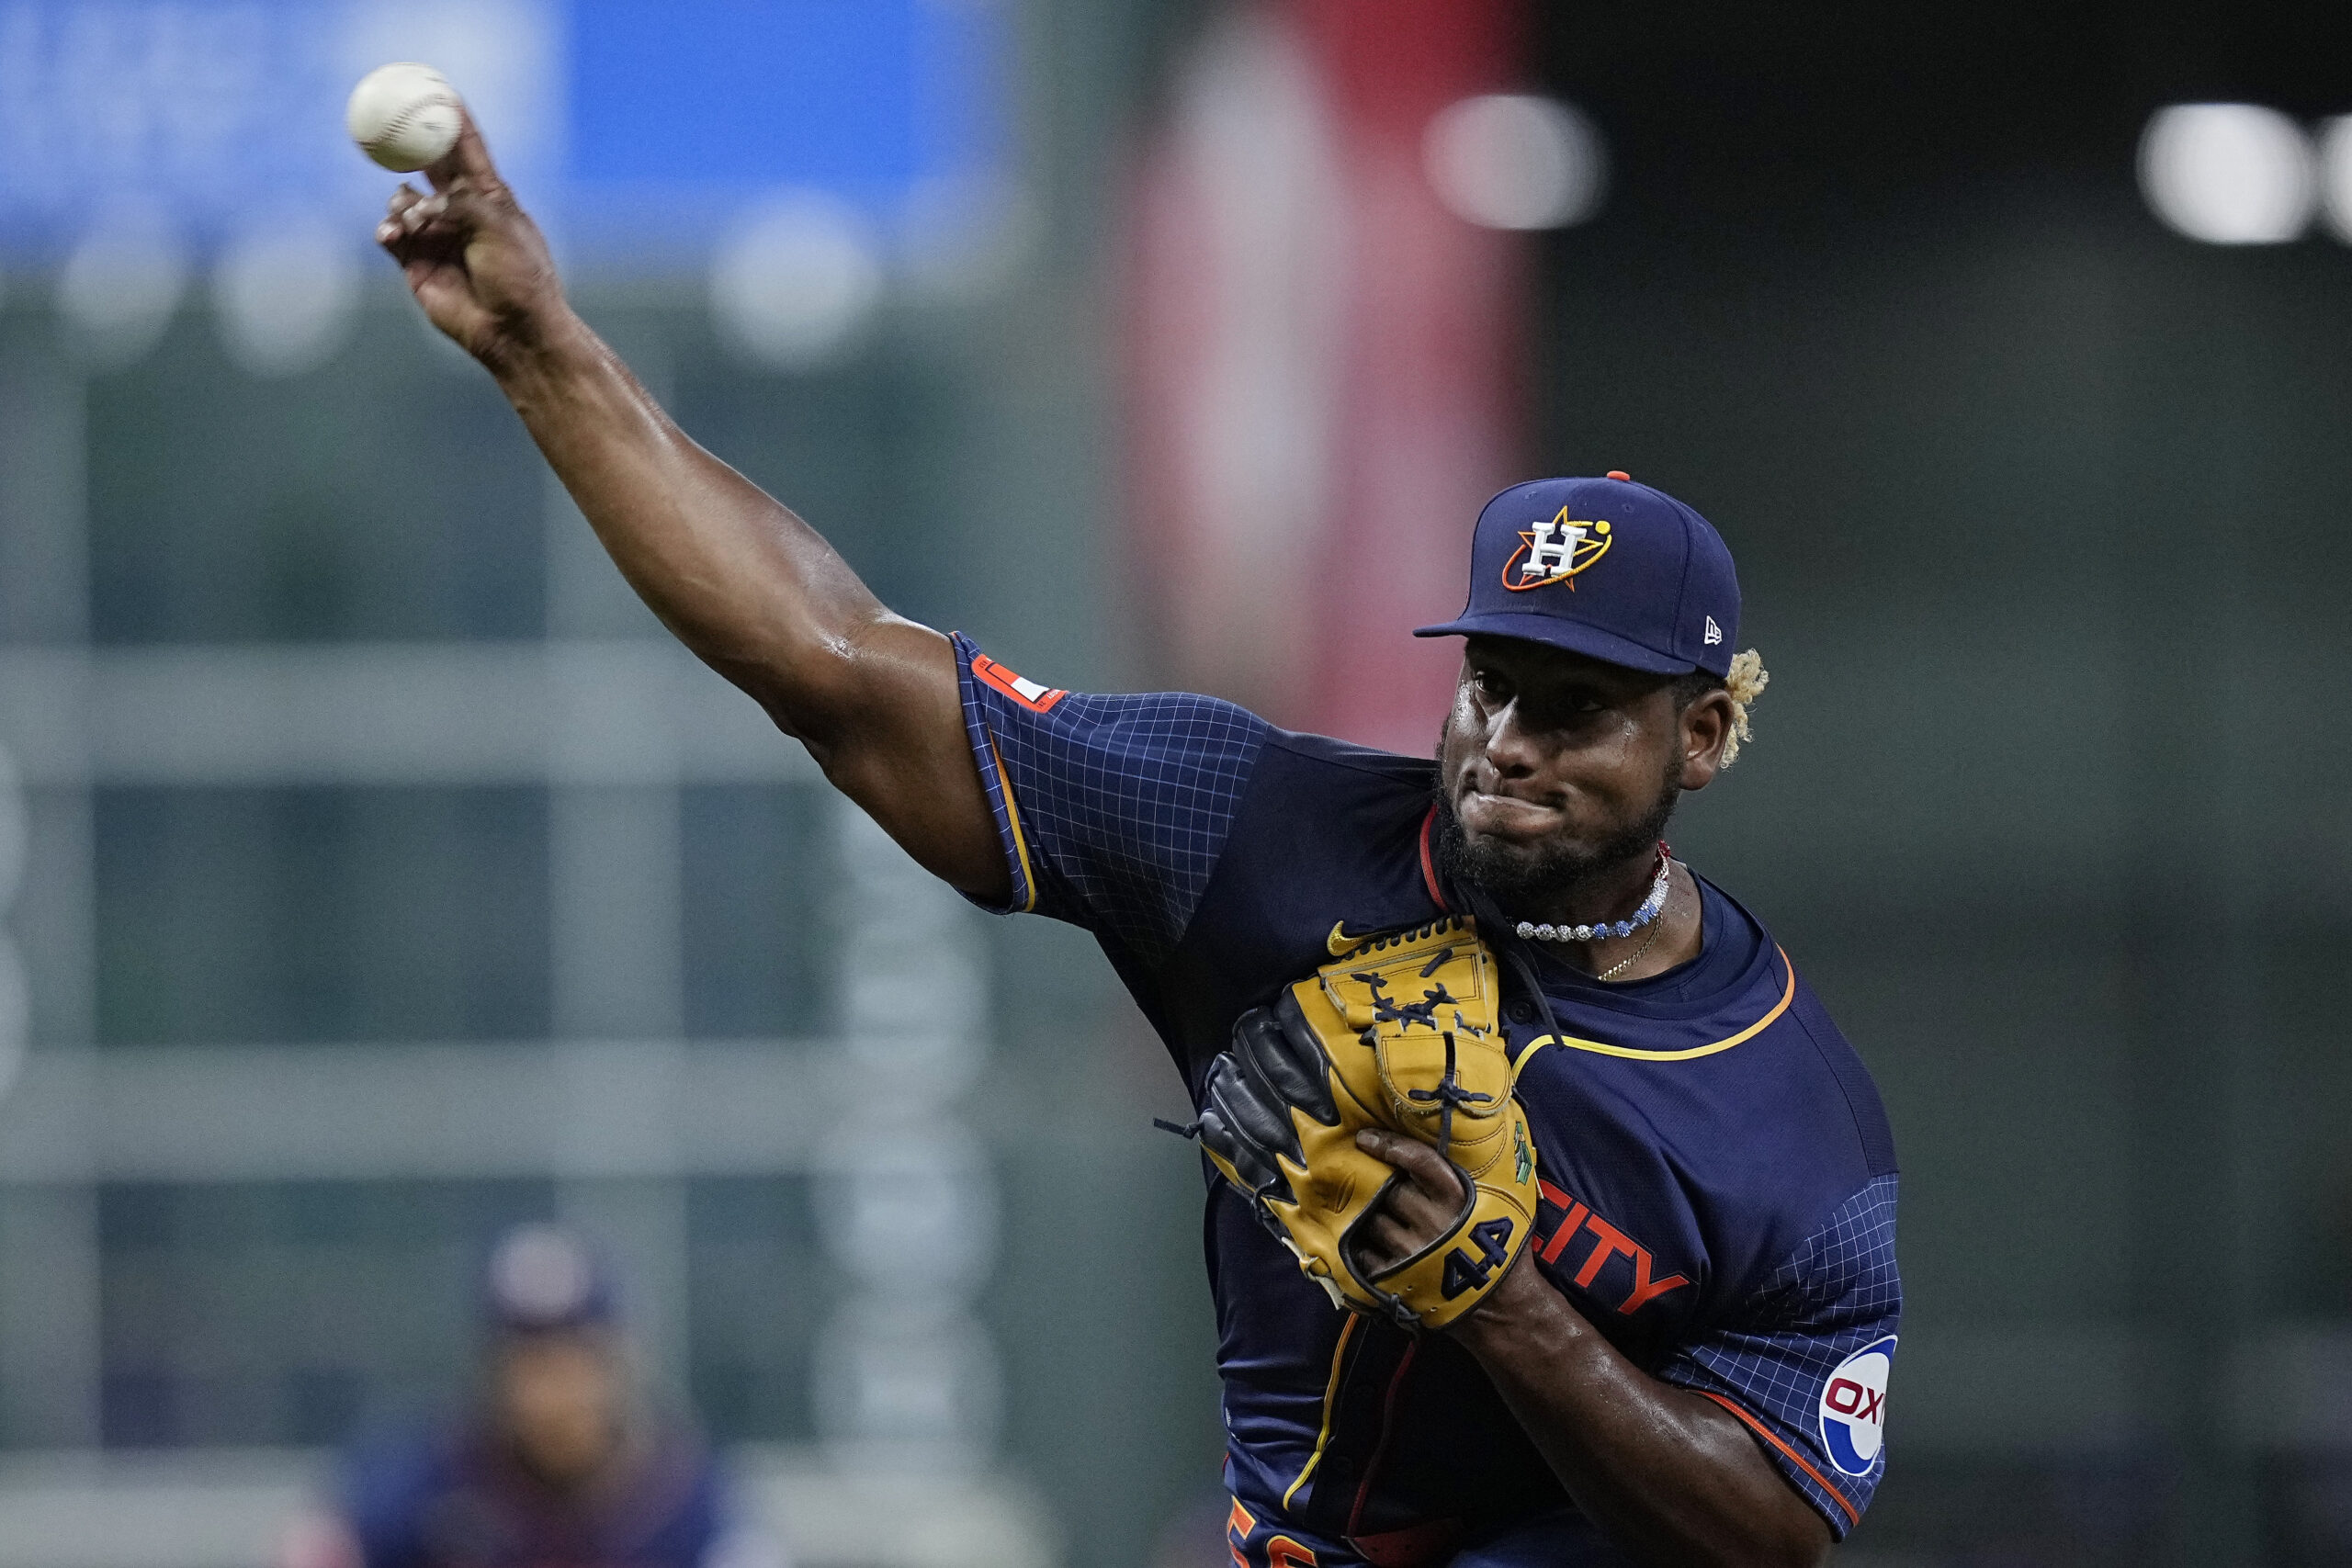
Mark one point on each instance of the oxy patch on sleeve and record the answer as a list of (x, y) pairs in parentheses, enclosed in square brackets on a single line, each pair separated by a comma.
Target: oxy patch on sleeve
[(1853, 1407)]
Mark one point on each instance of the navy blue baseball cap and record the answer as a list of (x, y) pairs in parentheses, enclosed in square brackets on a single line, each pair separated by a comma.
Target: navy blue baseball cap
[(1606, 568), (541, 1278)]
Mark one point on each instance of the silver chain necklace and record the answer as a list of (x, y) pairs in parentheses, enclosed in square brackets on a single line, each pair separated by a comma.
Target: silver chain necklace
[(1650, 910)]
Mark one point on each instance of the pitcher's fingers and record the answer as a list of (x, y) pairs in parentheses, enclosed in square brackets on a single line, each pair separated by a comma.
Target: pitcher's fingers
[(390, 228), (449, 218), (1425, 1171), (1415, 1158), (1386, 1238), (469, 159), (421, 211)]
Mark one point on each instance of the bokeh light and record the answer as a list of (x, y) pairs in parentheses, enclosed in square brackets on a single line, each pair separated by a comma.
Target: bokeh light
[(2228, 173), (285, 294), (2335, 176), (1515, 160), (119, 287), (791, 285)]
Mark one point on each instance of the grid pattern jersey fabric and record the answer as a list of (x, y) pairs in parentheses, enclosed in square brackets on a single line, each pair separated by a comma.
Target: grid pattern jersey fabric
[(1113, 808), (1837, 1294)]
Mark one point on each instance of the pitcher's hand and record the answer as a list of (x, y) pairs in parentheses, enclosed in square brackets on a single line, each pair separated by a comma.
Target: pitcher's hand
[(473, 258), (1417, 1210)]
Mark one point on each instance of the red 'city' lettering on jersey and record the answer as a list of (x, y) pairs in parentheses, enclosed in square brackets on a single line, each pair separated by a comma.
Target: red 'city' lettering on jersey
[(1609, 1242)]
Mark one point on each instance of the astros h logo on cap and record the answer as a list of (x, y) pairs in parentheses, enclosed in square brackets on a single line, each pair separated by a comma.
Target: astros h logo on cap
[(1612, 569), (1554, 552)]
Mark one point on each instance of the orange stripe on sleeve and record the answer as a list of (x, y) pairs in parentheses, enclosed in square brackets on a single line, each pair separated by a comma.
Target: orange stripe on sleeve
[(1853, 1518)]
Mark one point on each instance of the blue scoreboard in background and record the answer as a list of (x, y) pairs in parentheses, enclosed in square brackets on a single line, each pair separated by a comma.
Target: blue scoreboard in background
[(640, 129), (688, 112), (841, 93)]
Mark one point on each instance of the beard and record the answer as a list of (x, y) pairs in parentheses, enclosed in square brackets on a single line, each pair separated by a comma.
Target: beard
[(1530, 877)]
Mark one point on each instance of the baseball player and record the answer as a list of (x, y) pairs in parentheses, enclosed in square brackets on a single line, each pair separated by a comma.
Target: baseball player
[(563, 1463), (1551, 1219)]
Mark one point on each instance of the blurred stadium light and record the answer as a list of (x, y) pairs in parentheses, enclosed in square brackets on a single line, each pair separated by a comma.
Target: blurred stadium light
[(285, 291), (1516, 161), (2335, 176), (120, 283), (2229, 173), (795, 281)]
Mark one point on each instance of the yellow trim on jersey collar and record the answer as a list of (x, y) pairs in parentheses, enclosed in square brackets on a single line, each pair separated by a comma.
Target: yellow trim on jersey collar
[(1630, 1054), (1020, 839)]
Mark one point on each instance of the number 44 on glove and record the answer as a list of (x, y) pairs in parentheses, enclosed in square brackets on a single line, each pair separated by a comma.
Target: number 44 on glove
[(1400, 1034)]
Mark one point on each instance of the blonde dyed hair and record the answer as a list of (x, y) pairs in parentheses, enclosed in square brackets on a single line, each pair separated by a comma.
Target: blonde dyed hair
[(1744, 683)]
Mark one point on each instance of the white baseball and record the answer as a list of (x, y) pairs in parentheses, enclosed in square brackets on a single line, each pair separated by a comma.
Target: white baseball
[(404, 116)]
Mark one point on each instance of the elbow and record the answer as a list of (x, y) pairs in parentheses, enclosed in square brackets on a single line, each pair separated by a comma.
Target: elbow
[(811, 689), (836, 689)]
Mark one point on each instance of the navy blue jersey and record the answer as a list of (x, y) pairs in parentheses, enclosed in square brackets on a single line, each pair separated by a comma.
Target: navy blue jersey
[(1718, 1181), (454, 1499)]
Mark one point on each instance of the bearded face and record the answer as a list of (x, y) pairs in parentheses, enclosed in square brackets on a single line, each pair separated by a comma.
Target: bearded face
[(1532, 876), (1556, 772)]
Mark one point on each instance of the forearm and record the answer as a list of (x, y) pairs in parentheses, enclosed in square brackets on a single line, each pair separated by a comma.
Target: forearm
[(752, 589), (1669, 1474), (761, 598), (749, 587)]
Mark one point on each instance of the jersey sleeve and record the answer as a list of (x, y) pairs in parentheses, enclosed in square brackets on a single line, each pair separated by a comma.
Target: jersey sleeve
[(1111, 810), (1804, 1361)]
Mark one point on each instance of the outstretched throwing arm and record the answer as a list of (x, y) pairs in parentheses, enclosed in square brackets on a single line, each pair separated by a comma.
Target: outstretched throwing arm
[(752, 589)]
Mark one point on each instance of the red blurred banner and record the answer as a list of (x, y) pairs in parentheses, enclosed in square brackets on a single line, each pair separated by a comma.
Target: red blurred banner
[(1321, 373)]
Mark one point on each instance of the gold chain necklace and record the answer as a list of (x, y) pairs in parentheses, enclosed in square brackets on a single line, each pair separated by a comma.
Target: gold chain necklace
[(1658, 928)]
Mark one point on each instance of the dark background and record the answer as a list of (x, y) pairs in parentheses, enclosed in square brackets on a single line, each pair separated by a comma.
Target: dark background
[(2040, 513)]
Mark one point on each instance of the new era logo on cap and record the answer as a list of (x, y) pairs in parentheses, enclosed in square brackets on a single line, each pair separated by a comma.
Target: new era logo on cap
[(1605, 568)]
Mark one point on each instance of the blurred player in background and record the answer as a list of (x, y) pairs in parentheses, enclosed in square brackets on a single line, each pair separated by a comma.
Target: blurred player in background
[(563, 1464), (1672, 1346)]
